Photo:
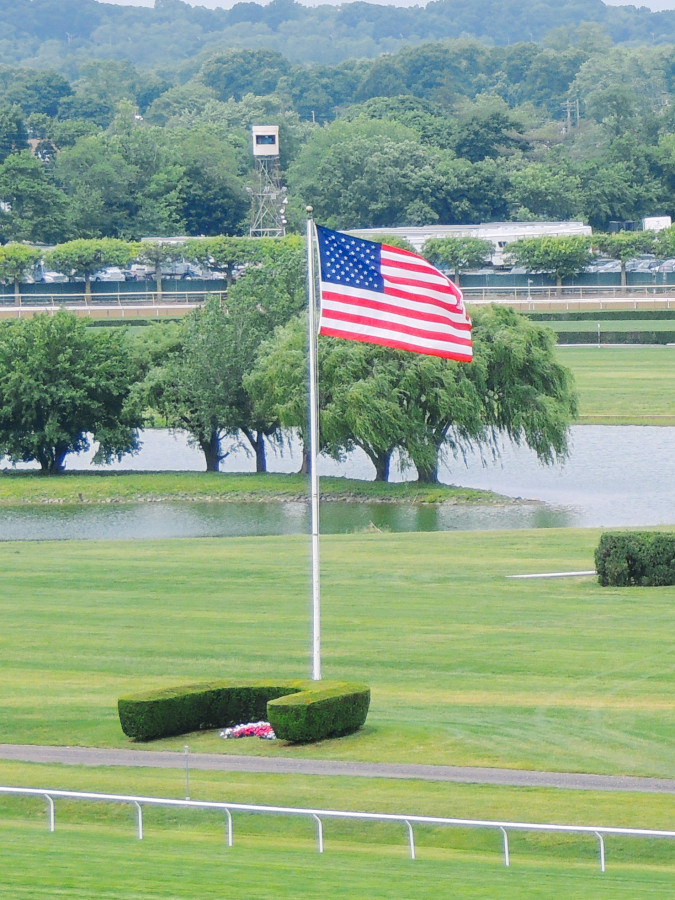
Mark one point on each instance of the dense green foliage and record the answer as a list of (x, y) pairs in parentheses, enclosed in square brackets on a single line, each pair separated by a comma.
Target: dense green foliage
[(104, 132), (62, 386), (383, 400), (563, 257), (200, 385), (457, 254), (297, 710), (77, 29), (17, 261), (645, 558), (238, 369), (84, 257)]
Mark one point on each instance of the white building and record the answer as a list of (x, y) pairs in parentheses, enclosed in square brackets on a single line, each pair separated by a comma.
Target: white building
[(500, 233)]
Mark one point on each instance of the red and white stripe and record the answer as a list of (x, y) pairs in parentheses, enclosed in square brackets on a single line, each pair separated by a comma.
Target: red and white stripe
[(420, 309)]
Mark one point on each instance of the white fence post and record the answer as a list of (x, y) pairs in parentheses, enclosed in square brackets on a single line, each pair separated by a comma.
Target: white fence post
[(507, 858), (319, 831), (51, 813), (411, 839), (602, 851), (139, 819)]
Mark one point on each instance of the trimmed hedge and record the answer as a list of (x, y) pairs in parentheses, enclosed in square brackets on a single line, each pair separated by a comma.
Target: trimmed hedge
[(334, 710), (592, 315), (645, 558), (297, 710), (616, 337)]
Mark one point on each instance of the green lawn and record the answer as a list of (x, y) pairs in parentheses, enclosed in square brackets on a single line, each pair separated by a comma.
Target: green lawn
[(466, 667), (19, 487), (110, 864), (623, 385), (184, 853)]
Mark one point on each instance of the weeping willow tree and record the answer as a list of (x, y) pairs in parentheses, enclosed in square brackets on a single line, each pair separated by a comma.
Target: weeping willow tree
[(428, 409)]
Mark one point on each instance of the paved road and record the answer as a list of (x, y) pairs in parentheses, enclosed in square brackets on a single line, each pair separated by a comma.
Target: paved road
[(84, 756)]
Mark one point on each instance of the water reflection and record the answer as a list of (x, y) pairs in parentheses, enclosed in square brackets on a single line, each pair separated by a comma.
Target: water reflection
[(130, 521), (615, 476)]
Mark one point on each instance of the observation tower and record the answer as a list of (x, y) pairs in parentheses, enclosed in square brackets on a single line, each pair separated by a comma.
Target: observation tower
[(268, 197)]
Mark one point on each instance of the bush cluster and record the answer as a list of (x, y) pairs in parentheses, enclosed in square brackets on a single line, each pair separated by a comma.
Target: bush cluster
[(644, 558), (297, 710)]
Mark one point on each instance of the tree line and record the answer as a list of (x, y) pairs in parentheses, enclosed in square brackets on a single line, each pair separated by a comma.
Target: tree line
[(173, 32), (237, 368), (449, 132)]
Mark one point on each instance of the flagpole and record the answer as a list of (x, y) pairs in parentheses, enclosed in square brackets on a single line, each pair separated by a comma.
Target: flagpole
[(314, 452)]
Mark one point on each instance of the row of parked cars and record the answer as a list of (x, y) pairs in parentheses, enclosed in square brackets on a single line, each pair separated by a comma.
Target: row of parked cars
[(135, 272), (645, 263)]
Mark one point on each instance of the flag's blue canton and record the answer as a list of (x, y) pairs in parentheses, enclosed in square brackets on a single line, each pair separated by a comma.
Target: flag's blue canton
[(349, 261)]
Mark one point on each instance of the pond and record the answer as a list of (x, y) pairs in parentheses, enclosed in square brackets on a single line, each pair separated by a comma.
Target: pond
[(615, 476)]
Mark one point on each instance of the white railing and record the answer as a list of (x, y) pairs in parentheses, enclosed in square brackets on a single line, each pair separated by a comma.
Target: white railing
[(318, 815), (115, 297), (571, 299), (543, 299)]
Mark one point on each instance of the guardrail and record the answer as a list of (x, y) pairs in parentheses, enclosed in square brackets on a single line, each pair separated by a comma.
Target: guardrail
[(119, 298), (138, 802), (109, 305), (545, 299)]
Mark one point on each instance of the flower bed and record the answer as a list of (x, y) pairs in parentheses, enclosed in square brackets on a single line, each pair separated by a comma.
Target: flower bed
[(261, 730)]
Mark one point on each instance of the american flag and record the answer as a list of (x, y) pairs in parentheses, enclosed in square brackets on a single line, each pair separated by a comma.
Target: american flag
[(382, 295)]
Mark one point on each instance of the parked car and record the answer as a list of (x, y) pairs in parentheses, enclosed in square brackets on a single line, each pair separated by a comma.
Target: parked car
[(193, 272), (53, 277), (179, 270), (112, 273), (138, 272), (212, 275), (605, 265), (642, 263)]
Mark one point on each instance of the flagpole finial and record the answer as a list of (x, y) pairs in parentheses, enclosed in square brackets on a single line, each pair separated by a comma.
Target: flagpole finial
[(309, 210)]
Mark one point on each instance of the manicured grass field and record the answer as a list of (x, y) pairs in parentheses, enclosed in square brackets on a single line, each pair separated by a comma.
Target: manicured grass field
[(465, 665), (623, 385), (184, 853), (19, 487), (109, 864)]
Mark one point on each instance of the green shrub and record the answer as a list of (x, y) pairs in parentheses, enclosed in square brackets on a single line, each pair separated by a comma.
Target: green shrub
[(644, 558), (297, 710), (330, 711)]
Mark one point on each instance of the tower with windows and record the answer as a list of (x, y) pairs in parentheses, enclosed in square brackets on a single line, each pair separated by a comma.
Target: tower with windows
[(268, 197)]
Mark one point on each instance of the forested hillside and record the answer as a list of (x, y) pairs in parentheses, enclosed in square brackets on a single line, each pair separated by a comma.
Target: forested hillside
[(451, 131), (59, 33)]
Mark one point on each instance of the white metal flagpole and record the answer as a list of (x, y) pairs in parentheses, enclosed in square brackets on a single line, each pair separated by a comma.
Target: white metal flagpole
[(314, 452)]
